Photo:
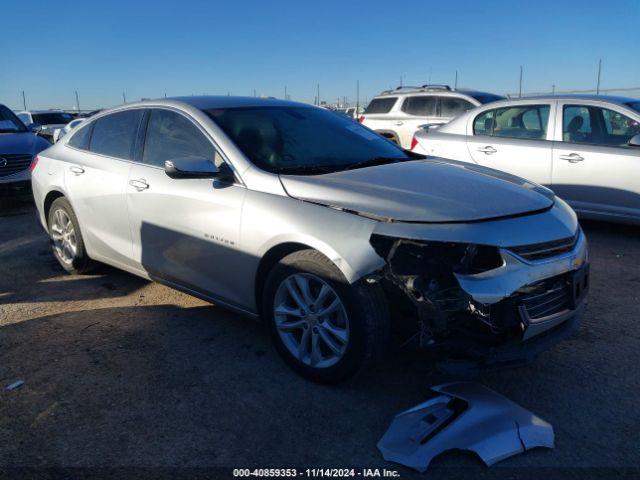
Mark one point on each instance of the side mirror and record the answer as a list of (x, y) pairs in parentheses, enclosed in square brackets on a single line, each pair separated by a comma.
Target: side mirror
[(635, 141), (35, 127), (194, 167)]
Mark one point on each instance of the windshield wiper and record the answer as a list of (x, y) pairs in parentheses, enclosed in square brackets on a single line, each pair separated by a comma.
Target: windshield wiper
[(305, 169)]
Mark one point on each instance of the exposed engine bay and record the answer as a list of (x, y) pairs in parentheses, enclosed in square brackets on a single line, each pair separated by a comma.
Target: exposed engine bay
[(430, 276)]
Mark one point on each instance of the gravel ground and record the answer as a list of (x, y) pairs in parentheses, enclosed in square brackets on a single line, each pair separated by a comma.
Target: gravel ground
[(120, 372)]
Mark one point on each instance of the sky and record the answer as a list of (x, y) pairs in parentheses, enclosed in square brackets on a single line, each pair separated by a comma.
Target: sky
[(147, 49)]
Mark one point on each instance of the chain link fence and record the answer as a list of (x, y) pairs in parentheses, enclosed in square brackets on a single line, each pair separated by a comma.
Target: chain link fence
[(625, 92)]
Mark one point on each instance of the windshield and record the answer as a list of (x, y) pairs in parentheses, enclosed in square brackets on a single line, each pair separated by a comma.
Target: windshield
[(52, 118), (9, 123), (634, 105), (303, 140)]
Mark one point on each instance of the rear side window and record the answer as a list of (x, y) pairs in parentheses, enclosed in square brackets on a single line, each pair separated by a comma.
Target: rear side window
[(424, 106), (381, 105), (115, 134), (520, 121), (81, 138), (170, 136), (452, 106)]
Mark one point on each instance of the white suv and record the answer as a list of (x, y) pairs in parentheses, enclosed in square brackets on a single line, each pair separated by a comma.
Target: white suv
[(397, 114)]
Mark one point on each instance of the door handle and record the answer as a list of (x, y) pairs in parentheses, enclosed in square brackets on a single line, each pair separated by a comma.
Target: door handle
[(77, 170), (139, 185), (398, 122), (488, 150), (572, 158)]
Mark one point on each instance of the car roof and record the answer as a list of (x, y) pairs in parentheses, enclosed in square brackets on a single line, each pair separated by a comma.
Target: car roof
[(597, 98), (406, 91), (205, 102), (43, 111)]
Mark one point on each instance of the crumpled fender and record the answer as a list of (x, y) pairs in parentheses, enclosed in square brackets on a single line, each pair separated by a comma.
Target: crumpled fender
[(464, 416)]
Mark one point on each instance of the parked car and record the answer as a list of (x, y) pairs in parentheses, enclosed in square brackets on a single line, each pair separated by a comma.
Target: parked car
[(18, 146), (48, 121), (585, 148), (353, 112), (61, 132), (324, 229), (397, 114)]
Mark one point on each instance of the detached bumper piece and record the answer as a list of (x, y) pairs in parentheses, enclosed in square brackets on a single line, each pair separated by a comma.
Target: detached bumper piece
[(463, 416)]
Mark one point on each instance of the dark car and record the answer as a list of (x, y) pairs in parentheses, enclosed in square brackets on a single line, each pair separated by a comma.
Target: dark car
[(18, 146)]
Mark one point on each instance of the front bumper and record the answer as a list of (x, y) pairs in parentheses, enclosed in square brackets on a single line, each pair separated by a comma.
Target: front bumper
[(545, 317), (520, 302), (515, 352)]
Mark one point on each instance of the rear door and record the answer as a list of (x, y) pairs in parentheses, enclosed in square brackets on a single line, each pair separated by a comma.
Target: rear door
[(96, 178), (184, 229), (517, 139), (594, 168)]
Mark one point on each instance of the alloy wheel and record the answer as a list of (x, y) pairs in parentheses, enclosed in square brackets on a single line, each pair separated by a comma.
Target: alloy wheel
[(63, 235), (311, 320)]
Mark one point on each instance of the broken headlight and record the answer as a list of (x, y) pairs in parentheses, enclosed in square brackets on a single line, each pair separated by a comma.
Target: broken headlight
[(416, 257)]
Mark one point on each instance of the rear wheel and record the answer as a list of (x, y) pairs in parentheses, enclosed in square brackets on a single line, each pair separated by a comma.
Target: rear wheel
[(323, 327), (66, 238)]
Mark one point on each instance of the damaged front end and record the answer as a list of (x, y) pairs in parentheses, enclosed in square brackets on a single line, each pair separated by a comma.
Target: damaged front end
[(485, 306)]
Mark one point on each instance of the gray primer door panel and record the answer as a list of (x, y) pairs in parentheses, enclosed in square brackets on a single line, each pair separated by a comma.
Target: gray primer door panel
[(464, 416)]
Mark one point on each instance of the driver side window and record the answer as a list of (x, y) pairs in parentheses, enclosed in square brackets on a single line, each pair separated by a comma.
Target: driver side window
[(171, 135)]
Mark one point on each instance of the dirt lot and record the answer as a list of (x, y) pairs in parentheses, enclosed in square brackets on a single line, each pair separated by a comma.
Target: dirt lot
[(122, 372)]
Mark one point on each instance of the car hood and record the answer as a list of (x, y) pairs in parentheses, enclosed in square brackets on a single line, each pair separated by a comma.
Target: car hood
[(21, 143), (430, 191)]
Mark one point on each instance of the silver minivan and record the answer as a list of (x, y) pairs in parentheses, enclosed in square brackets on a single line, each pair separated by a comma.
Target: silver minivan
[(327, 231)]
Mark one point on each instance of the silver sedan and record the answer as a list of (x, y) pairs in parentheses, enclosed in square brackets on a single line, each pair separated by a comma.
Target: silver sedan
[(586, 148), (327, 231)]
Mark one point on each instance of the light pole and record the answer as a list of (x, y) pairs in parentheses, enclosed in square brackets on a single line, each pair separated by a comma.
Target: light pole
[(520, 88)]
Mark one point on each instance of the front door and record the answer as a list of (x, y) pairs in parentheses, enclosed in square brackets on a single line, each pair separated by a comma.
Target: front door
[(594, 168), (184, 229)]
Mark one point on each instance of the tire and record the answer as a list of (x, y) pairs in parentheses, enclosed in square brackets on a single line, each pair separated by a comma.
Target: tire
[(364, 308), (77, 261)]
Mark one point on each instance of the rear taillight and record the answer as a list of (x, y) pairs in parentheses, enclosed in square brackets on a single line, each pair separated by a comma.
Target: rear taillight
[(414, 142), (361, 118), (34, 162)]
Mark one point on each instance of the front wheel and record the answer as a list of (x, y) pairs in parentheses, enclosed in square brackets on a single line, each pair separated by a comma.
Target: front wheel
[(323, 327), (66, 238)]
